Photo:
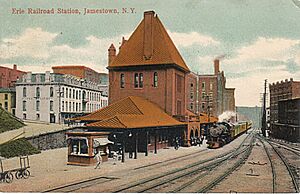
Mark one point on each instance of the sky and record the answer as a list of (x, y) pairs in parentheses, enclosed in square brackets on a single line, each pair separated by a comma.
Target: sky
[(259, 39)]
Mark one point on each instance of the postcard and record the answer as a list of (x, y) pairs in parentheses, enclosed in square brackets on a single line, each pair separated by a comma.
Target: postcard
[(150, 96)]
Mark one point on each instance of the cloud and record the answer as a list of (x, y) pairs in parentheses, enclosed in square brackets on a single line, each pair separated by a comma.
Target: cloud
[(248, 66), (249, 89), (268, 49), (33, 42), (39, 45), (192, 38)]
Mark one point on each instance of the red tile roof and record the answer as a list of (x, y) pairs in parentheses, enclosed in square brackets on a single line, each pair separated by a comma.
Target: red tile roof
[(164, 50), (130, 112)]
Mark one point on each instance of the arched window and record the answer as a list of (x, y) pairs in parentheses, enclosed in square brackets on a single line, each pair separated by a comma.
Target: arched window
[(51, 91), (24, 92), (155, 80), (38, 93), (136, 80), (122, 80), (141, 80)]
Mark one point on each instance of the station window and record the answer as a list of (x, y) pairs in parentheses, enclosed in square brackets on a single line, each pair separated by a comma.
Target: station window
[(136, 80), (122, 80), (155, 79), (141, 80), (79, 146)]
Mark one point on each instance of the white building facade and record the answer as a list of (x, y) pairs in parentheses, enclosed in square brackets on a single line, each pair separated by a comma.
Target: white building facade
[(54, 98)]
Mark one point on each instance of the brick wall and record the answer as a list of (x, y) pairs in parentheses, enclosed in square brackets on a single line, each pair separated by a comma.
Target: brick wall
[(166, 94), (9, 76)]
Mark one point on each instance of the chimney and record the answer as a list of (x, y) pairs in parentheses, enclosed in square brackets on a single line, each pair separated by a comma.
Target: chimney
[(122, 43), (148, 34), (217, 66), (15, 67), (111, 53)]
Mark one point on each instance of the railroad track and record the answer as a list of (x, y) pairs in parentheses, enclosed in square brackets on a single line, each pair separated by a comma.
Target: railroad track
[(294, 176), (102, 180), (80, 185), (159, 183), (295, 150), (172, 160), (230, 170), (272, 165)]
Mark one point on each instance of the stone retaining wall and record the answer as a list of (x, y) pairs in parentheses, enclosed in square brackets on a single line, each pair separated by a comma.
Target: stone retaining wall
[(49, 140)]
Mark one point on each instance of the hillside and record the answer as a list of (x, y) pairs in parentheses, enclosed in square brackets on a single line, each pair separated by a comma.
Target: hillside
[(9, 121), (251, 113)]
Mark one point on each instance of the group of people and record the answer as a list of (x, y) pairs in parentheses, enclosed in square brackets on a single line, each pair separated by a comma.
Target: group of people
[(197, 141), (194, 141)]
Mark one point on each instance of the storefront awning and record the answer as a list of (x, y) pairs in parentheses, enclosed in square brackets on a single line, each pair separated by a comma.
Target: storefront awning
[(101, 141)]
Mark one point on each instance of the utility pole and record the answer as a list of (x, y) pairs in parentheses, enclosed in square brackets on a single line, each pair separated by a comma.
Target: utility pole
[(264, 120)]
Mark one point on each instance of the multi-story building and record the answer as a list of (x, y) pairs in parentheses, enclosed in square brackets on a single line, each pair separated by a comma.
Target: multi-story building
[(52, 97), (283, 90), (8, 99), (214, 98), (229, 100), (192, 92), (283, 109), (288, 125), (8, 76), (85, 73)]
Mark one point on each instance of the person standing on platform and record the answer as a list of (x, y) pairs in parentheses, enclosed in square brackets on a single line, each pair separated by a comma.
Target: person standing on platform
[(98, 159)]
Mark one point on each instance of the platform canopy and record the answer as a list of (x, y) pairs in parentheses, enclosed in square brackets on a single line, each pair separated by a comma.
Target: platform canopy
[(130, 112)]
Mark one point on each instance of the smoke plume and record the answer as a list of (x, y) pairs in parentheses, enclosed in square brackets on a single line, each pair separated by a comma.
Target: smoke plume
[(227, 116)]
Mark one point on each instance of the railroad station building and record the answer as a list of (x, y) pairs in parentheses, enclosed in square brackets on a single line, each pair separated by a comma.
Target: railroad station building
[(152, 93), (134, 123)]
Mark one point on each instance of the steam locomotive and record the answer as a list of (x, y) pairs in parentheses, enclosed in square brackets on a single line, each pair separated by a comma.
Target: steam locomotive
[(223, 132)]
